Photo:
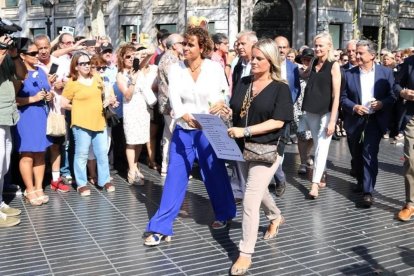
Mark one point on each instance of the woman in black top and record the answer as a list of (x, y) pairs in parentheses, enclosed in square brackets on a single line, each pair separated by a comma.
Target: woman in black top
[(271, 106), (321, 103)]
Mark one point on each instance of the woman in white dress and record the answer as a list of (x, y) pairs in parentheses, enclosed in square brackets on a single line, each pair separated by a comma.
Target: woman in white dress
[(136, 113)]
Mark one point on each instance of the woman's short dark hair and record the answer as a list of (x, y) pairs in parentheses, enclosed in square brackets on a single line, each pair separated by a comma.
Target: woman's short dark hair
[(204, 40), (218, 38), (74, 74)]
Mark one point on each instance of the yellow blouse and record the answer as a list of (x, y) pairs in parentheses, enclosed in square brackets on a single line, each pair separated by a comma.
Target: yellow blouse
[(87, 109)]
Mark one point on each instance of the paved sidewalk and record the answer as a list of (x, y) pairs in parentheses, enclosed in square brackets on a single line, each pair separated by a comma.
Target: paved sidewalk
[(102, 234)]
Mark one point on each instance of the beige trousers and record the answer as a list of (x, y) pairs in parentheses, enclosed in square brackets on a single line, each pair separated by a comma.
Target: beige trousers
[(257, 195), (409, 162)]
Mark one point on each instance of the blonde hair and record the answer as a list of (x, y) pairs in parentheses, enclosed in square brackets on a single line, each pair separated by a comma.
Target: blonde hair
[(328, 37), (269, 49)]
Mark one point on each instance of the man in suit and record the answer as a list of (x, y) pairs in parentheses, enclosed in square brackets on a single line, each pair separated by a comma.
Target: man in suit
[(290, 72), (245, 42), (366, 99), (404, 87)]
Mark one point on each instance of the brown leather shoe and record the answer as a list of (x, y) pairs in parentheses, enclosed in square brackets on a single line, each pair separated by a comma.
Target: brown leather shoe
[(406, 213)]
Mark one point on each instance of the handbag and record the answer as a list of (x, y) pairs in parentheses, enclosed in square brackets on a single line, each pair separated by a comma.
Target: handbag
[(111, 117), (149, 96), (256, 152), (56, 124)]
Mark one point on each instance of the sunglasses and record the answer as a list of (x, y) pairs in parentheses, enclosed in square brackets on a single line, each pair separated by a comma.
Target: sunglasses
[(84, 63), (128, 56), (32, 54), (99, 68), (107, 52)]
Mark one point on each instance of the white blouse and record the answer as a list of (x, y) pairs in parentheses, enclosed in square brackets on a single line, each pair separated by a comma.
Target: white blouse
[(187, 96)]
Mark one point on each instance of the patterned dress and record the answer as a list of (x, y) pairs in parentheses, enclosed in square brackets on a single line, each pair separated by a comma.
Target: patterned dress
[(136, 111)]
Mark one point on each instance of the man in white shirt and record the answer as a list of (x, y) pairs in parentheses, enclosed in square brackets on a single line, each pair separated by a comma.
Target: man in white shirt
[(366, 100), (45, 62)]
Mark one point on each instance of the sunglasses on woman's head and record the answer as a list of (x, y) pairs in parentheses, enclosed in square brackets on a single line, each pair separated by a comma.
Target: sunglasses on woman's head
[(84, 63), (32, 54)]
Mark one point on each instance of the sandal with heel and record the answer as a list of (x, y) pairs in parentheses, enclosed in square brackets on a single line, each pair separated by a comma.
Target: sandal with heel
[(274, 223), (237, 269), (33, 201), (44, 198), (155, 239)]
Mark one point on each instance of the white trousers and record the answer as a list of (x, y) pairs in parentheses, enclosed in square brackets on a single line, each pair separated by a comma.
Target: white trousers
[(317, 124), (169, 125)]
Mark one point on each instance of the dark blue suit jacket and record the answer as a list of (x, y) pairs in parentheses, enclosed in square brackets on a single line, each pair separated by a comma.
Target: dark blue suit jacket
[(351, 96), (292, 74)]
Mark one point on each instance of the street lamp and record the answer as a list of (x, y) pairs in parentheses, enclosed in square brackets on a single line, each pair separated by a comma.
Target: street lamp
[(48, 9)]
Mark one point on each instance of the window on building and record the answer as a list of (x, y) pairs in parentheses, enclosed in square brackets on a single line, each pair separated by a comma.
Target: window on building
[(11, 3), (406, 38), (130, 33), (36, 31), (36, 2), (211, 28), (336, 32), (171, 28), (371, 33)]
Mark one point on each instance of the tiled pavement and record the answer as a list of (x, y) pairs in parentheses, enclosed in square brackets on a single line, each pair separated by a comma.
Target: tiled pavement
[(102, 234)]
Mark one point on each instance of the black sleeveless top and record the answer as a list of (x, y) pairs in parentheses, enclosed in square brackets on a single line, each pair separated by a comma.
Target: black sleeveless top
[(318, 91)]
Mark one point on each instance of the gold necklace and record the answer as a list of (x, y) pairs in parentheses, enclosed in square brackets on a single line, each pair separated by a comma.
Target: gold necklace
[(198, 66)]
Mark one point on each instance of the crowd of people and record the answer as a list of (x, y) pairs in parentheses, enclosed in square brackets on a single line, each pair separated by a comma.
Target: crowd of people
[(115, 101)]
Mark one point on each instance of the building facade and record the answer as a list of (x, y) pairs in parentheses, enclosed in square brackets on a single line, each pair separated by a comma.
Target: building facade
[(298, 20)]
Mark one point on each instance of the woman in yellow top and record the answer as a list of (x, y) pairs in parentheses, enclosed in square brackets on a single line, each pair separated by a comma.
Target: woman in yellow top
[(84, 92)]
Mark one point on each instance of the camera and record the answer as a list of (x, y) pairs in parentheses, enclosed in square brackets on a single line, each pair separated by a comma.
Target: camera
[(7, 28)]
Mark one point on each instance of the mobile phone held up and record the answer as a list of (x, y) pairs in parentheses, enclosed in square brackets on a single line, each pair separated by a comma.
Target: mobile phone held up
[(53, 69), (135, 64), (91, 42)]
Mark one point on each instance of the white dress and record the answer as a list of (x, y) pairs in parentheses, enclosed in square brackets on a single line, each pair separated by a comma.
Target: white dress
[(136, 111)]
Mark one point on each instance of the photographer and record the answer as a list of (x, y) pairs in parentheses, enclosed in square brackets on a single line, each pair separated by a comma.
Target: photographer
[(11, 70)]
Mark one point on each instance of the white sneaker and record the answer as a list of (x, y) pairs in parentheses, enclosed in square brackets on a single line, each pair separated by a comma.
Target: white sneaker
[(6, 221), (9, 211)]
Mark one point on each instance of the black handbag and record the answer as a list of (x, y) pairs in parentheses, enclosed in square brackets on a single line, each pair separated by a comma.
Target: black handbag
[(256, 152), (111, 117)]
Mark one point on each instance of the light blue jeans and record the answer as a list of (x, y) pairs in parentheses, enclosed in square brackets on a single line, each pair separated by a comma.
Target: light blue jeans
[(83, 139)]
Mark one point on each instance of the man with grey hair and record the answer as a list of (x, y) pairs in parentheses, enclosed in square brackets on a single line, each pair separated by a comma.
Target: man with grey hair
[(245, 42), (351, 51), (366, 98), (174, 45)]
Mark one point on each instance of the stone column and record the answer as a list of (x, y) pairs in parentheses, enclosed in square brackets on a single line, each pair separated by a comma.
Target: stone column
[(23, 18), (80, 8), (233, 21), (312, 21), (392, 34), (182, 16), (113, 22), (146, 20), (247, 7)]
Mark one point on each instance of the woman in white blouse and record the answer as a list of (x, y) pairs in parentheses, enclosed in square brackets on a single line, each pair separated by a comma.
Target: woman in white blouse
[(196, 85)]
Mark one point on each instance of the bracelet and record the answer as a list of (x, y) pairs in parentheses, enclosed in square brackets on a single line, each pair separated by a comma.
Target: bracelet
[(229, 65)]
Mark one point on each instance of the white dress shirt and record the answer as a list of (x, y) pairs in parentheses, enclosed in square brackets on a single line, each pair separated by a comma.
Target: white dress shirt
[(367, 80), (187, 96)]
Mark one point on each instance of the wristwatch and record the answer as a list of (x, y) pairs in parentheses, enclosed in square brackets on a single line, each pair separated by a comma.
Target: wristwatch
[(246, 132)]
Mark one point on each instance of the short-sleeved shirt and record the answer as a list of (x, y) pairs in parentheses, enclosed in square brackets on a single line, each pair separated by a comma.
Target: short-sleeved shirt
[(273, 102), (8, 109), (87, 108)]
